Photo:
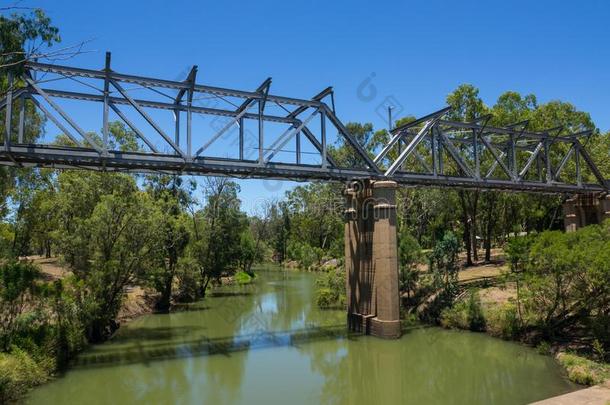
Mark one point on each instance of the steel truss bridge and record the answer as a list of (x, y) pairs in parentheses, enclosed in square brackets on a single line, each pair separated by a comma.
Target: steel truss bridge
[(257, 134)]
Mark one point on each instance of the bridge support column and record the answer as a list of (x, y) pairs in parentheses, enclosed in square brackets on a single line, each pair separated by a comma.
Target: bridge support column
[(585, 209), (371, 259)]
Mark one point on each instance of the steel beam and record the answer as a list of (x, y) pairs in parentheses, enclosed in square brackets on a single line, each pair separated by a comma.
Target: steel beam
[(472, 138)]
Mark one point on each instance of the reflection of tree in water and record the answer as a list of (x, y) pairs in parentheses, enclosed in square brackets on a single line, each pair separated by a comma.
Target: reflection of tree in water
[(197, 353), (433, 366)]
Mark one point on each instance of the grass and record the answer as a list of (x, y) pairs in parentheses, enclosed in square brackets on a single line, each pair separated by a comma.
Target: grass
[(584, 371), (241, 277), (19, 372)]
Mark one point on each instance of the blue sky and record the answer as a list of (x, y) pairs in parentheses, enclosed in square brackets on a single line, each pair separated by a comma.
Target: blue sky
[(413, 53)]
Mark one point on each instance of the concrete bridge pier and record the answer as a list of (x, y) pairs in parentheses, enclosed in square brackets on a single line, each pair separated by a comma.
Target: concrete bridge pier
[(585, 209), (371, 258)]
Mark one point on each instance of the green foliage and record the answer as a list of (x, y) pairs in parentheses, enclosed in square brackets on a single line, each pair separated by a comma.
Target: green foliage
[(216, 233), (241, 277), (444, 263), (409, 251), (567, 281), (346, 156), (19, 29), (410, 255), (17, 285), (316, 214), (584, 371), (599, 352), (476, 320), (304, 254), (170, 201), (18, 373), (465, 103), (188, 279), (465, 314), (121, 235), (68, 332), (250, 252), (503, 321), (517, 251), (544, 347), (108, 232), (456, 316), (330, 289)]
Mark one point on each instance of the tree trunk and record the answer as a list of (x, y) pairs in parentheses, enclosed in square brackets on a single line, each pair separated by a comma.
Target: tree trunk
[(466, 235), (203, 287), (473, 228), (491, 222), (166, 295)]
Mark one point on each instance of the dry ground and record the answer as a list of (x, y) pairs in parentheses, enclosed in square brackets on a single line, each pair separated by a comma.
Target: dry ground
[(138, 300)]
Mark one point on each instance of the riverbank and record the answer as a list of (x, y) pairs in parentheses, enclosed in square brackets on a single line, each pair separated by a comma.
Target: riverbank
[(47, 348), (487, 302), (241, 343)]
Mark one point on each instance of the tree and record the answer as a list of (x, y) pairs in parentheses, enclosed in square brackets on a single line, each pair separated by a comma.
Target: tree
[(17, 286), (279, 229), (517, 251), (24, 36), (568, 281), (217, 231), (107, 234), (466, 105), (444, 264), (443, 276), (121, 235), (410, 256), (346, 156), (21, 35), (249, 252), (316, 216), (170, 204)]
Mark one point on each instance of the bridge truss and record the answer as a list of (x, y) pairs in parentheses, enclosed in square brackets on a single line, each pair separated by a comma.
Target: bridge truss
[(256, 134)]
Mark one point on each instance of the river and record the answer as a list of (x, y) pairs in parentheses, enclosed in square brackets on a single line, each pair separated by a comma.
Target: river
[(267, 343)]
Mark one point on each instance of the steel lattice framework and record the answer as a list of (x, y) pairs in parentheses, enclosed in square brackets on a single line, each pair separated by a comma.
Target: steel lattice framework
[(429, 151)]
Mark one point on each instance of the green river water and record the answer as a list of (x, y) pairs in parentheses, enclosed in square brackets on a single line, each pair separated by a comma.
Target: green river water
[(267, 343)]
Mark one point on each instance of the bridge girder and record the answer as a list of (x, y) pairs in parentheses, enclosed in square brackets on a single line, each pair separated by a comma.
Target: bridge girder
[(437, 152)]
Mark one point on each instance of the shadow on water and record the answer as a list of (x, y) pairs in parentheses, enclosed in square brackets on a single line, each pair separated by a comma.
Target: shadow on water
[(147, 352), (189, 307), (231, 294), (156, 333)]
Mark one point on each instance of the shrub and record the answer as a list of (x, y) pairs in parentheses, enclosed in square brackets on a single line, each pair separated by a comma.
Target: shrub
[(567, 280), (325, 298), (503, 321), (330, 289), (544, 347), (583, 371), (17, 283), (456, 316), (476, 320), (18, 373), (409, 253), (304, 254), (465, 314), (241, 277), (598, 350)]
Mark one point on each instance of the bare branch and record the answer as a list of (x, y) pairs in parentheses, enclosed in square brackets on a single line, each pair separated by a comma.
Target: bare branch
[(64, 53)]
